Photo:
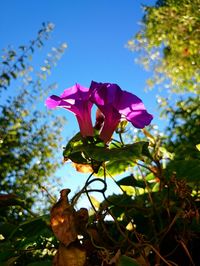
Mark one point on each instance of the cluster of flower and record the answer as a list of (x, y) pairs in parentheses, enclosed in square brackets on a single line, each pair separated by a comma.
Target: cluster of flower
[(114, 105)]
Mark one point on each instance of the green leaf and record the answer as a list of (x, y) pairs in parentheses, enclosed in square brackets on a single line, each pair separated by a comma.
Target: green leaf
[(7, 228), (13, 74), (95, 150), (155, 187), (118, 203), (77, 157), (5, 63), (31, 227), (198, 147), (131, 181), (128, 152), (117, 159), (133, 191), (127, 261), (5, 76), (115, 167), (150, 177)]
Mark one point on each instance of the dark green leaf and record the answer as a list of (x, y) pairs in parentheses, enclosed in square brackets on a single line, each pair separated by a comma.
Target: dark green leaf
[(11, 261), (13, 74), (5, 76), (128, 152), (6, 254), (131, 181), (5, 63), (7, 228)]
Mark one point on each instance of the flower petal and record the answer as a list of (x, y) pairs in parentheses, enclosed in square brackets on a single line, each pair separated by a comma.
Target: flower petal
[(111, 121), (76, 100), (52, 102), (139, 118), (77, 92), (134, 110), (125, 103), (105, 93)]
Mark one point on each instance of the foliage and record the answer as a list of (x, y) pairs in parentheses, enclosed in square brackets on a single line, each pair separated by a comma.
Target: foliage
[(168, 42), (14, 62), (156, 214), (27, 142), (30, 243), (183, 130), (153, 221), (26, 156)]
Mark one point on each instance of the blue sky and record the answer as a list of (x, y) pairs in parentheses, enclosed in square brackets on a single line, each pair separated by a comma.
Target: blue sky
[(96, 32)]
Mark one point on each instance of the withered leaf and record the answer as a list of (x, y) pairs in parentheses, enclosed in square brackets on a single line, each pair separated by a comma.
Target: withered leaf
[(72, 255), (83, 168), (63, 219), (82, 217)]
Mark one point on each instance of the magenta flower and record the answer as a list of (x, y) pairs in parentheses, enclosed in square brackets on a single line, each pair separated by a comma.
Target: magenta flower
[(76, 100), (116, 104)]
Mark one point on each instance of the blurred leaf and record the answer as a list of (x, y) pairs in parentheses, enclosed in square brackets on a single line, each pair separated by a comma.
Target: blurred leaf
[(150, 177), (32, 227), (173, 54), (11, 261), (10, 200), (198, 147), (155, 187), (6, 77), (132, 191), (7, 228), (13, 74), (5, 254), (83, 168)]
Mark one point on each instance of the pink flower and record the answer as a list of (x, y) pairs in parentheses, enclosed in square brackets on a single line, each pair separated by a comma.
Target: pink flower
[(76, 100), (116, 104)]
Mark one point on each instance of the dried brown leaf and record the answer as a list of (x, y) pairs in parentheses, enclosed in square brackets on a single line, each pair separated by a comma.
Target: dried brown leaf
[(63, 220), (70, 256), (83, 168)]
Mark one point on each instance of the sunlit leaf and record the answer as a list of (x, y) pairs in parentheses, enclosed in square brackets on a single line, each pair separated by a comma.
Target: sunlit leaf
[(198, 147), (116, 167)]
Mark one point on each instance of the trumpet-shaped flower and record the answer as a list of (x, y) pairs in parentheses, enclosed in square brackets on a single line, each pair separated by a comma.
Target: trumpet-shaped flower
[(116, 104), (76, 100)]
